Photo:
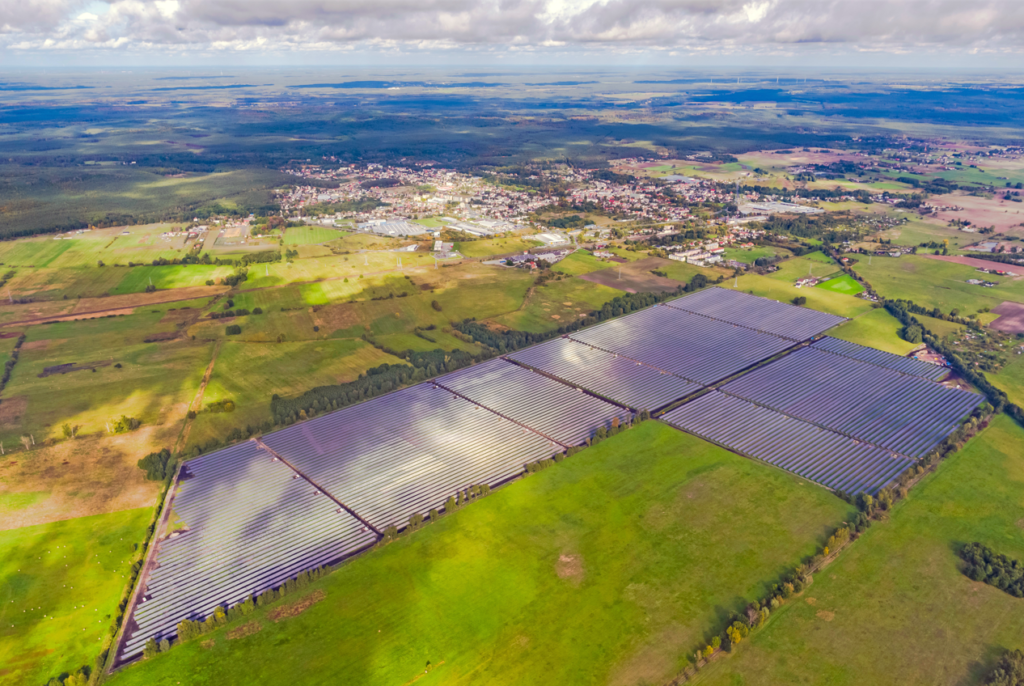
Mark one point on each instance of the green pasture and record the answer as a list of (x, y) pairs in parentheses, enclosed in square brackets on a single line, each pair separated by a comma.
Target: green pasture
[(311, 235), (296, 325), (604, 569), (917, 232), (344, 266), (152, 384), (60, 584), (170, 276), (751, 255), (250, 373), (895, 608), (67, 283), (844, 284), (876, 329), (683, 272), (489, 247), (935, 283), (580, 262), (557, 303), (1010, 379), (384, 286)]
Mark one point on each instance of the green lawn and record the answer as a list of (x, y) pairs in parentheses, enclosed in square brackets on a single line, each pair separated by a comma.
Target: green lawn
[(877, 329), (59, 588), (844, 284), (311, 235), (603, 569), (895, 609), (580, 262), (934, 283)]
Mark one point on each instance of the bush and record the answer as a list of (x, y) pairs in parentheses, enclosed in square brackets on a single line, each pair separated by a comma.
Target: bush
[(995, 569), (233, 330), (257, 310), (124, 424), (436, 305), (800, 300), (1009, 671), (158, 466)]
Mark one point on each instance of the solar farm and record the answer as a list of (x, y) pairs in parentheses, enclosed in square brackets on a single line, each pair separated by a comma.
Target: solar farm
[(747, 373)]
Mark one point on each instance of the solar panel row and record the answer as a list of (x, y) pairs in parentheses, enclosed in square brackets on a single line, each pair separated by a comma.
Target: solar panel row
[(692, 347), (822, 456), (761, 314), (252, 524), (549, 407), (619, 379), (901, 413), (904, 365), (406, 452)]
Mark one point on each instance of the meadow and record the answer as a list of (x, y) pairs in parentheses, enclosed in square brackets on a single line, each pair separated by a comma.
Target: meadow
[(780, 285), (877, 329), (603, 569), (311, 235), (844, 284), (901, 579), (59, 588), (555, 303)]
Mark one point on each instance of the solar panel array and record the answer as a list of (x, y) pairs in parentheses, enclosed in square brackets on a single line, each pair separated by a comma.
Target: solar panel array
[(904, 365), (619, 379), (761, 314), (693, 347), (822, 456), (253, 523), (549, 407), (406, 452), (901, 413)]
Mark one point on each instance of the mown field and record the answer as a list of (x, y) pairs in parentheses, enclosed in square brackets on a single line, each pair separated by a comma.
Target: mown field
[(59, 588), (895, 609), (311, 235), (877, 329), (604, 569), (780, 286)]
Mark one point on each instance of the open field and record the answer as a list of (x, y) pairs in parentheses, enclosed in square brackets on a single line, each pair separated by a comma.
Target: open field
[(580, 262), (637, 277), (495, 246), (311, 235), (983, 211), (920, 231), (750, 255), (59, 588), (844, 284), (902, 579), (248, 374), (877, 329), (935, 283), (604, 569), (444, 341), (780, 285), (555, 303), (1010, 379)]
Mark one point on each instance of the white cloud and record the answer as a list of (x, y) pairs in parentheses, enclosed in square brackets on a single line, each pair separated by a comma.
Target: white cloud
[(411, 25)]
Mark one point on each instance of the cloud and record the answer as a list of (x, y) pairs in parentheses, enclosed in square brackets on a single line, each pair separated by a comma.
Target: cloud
[(417, 25)]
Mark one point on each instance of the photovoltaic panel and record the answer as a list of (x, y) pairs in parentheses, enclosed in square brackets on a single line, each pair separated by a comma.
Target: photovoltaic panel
[(251, 525), (691, 346), (761, 314), (904, 365), (547, 406), (407, 452), (902, 413), (624, 381), (822, 456)]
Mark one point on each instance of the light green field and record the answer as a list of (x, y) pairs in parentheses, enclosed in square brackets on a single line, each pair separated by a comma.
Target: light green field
[(917, 232), (580, 262), (170, 276), (495, 246), (935, 283), (844, 284), (345, 266), (876, 329), (311, 235), (1010, 379), (780, 286), (902, 580), (603, 569), (154, 381), (750, 255), (59, 588), (250, 373), (557, 303), (364, 289)]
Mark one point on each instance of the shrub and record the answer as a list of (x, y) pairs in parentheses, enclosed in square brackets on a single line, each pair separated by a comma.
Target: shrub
[(800, 300), (436, 305), (233, 330), (257, 310), (124, 424), (158, 466)]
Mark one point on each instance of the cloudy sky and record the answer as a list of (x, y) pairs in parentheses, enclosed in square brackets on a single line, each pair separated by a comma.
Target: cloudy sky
[(877, 33)]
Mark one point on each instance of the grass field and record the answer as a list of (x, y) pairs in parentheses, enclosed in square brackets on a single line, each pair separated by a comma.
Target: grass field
[(844, 284), (250, 373), (901, 580), (556, 303), (580, 262), (59, 588), (934, 283), (877, 329), (444, 341), (1010, 379), (311, 235), (750, 255), (495, 246), (780, 286), (604, 569)]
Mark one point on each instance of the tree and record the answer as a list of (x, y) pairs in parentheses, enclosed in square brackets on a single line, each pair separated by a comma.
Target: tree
[(165, 645), (70, 431), (150, 649), (233, 330), (911, 333), (800, 300), (436, 305)]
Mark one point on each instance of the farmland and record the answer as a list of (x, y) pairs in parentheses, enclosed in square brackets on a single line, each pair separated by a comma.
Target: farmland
[(59, 588), (876, 328), (902, 576), (534, 554)]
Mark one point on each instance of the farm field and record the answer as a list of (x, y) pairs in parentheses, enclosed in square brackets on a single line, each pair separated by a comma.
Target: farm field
[(555, 303), (780, 286), (580, 262), (311, 235), (1010, 379), (248, 374), (877, 329), (919, 231), (844, 284), (751, 255), (902, 579), (494, 246), (935, 283), (579, 574), (59, 588)]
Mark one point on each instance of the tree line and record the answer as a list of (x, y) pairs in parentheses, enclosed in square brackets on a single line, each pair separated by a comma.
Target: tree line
[(995, 569)]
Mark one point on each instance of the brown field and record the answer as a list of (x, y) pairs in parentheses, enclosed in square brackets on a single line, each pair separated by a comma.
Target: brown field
[(1005, 216), (1011, 318), (87, 476), (634, 277)]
